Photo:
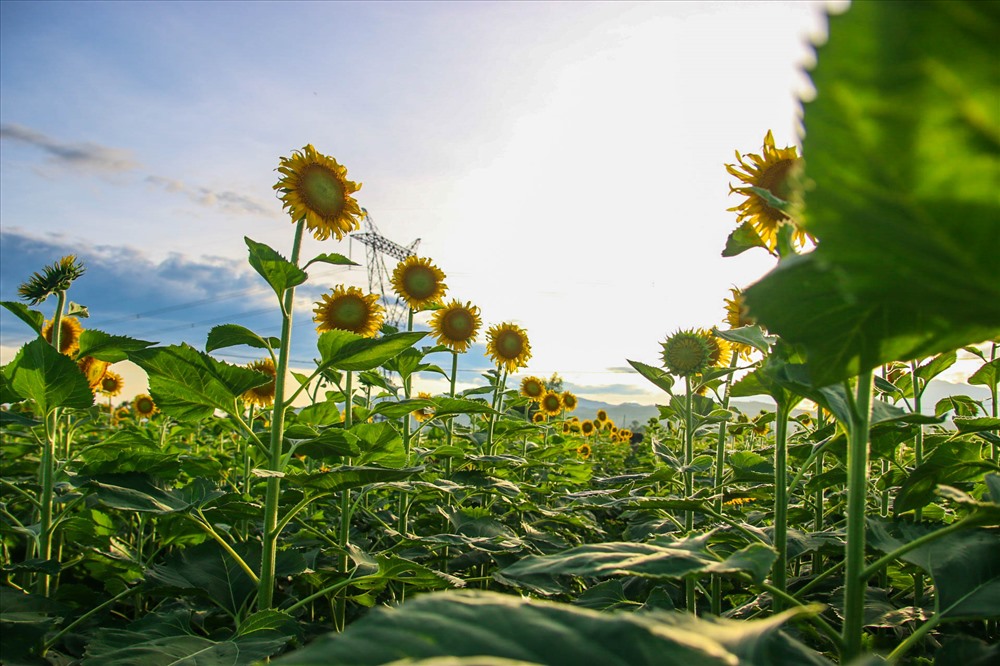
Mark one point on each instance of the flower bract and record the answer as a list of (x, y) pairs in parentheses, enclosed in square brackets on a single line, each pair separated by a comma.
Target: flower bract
[(52, 279), (315, 187), (686, 353), (349, 309)]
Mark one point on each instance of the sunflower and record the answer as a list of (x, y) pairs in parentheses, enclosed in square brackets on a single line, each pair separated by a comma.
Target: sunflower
[(737, 316), (625, 435), (565, 427), (550, 404), (720, 351), (315, 187), (55, 278), (121, 414), (574, 427), (418, 282), (143, 406), (93, 370), (538, 417), (771, 171), (111, 384), (456, 325), (423, 413), (262, 396), (602, 415), (532, 388), (587, 428), (349, 310), (69, 334), (686, 353), (569, 401), (583, 451), (508, 345)]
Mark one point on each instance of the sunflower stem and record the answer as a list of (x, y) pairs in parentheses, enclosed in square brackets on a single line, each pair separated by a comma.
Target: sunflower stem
[(720, 461), (344, 534), (689, 584), (401, 511), (497, 405), (855, 583), (779, 572), (269, 545)]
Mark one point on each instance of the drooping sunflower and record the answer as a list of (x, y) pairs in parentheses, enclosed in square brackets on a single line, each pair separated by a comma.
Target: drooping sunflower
[(569, 401), (55, 278), (263, 395), (550, 404), (121, 414), (686, 353), (532, 388), (349, 309), (418, 282), (93, 370), (69, 334), (507, 344), (771, 171), (583, 451), (315, 187), (423, 413), (456, 325), (111, 384), (587, 428), (143, 406)]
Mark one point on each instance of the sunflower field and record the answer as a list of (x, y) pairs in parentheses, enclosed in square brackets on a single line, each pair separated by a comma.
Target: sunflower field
[(213, 522)]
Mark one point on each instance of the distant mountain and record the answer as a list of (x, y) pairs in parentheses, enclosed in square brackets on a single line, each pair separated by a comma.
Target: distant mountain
[(623, 414)]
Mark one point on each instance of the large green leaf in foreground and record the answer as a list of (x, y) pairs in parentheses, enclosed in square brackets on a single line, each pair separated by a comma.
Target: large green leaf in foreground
[(902, 151), (486, 624)]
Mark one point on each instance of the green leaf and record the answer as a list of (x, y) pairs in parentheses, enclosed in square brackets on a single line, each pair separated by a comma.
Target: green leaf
[(189, 385), (40, 373), (280, 273), (660, 378), (980, 424), (231, 335), (487, 625), (343, 350), (394, 410), (748, 335), (986, 375), (110, 348), (134, 492), (952, 462), (936, 365), (344, 477), (322, 413), (331, 258), (33, 318), (743, 238), (901, 150)]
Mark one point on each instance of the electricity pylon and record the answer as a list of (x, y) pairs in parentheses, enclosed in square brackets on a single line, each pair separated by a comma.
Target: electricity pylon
[(379, 277)]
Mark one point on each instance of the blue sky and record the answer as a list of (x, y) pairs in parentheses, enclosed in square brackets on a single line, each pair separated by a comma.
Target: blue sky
[(562, 163)]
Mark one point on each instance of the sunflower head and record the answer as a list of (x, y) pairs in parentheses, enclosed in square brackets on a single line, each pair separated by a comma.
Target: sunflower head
[(93, 370), (111, 384), (532, 388), (69, 334), (583, 451), (737, 316), (418, 282), (423, 413), (55, 278), (314, 186), (456, 325), (773, 170), (351, 310), (686, 353), (602, 415), (551, 403), (121, 414), (143, 406), (507, 344), (263, 395), (568, 401), (587, 428), (538, 417)]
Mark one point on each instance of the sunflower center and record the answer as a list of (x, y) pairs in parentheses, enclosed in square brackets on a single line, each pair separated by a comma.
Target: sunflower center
[(510, 345), (109, 384), (775, 179), (349, 312), (457, 325), (322, 190), (420, 282), (144, 405), (551, 404)]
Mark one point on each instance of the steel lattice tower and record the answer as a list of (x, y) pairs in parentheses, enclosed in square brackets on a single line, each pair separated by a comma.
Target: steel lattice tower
[(379, 277)]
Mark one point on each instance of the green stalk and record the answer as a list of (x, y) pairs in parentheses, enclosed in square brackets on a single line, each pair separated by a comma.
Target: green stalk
[(689, 584), (779, 572), (344, 534), (48, 463), (402, 509), (497, 405), (269, 546), (856, 583), (720, 461), (918, 455)]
